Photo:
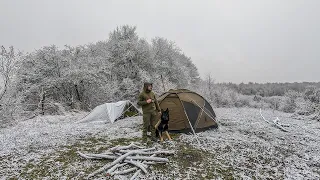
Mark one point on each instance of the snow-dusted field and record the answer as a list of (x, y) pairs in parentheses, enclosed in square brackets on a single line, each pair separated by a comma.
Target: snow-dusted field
[(254, 148), (243, 146)]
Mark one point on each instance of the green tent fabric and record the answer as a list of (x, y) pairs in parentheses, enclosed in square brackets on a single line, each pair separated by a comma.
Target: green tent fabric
[(187, 108)]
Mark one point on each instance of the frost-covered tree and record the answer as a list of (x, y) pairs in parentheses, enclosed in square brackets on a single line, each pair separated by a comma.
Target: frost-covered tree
[(128, 53), (131, 60), (110, 70), (44, 68), (8, 63), (173, 64)]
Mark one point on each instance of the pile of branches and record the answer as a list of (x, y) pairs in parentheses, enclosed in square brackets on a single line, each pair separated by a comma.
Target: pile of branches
[(128, 159)]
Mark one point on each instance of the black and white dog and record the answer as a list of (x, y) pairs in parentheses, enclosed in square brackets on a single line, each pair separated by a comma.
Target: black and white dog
[(163, 125)]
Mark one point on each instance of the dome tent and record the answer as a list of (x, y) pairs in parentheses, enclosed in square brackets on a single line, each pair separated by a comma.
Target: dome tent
[(187, 108)]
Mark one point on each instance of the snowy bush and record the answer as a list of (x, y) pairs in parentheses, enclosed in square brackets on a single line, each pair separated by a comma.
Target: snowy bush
[(308, 103), (289, 104), (312, 94), (274, 101), (222, 96)]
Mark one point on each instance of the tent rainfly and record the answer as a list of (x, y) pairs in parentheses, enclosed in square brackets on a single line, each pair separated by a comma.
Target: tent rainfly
[(188, 111), (109, 112)]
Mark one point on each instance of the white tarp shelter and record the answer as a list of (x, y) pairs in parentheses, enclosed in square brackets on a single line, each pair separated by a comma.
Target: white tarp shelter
[(109, 112)]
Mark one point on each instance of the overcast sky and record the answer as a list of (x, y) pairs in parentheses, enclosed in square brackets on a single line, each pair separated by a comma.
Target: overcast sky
[(234, 40)]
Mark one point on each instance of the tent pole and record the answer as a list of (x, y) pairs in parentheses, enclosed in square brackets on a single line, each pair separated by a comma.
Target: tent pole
[(131, 105), (194, 133), (135, 107), (197, 122), (125, 110), (199, 106), (203, 110)]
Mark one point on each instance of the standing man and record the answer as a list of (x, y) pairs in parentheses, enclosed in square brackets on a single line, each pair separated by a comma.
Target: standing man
[(150, 108)]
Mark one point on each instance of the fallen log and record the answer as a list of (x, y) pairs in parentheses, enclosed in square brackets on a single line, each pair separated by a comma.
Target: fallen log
[(274, 123), (117, 148), (107, 166), (115, 167), (139, 171), (142, 150), (124, 171), (139, 165), (147, 158), (101, 156), (96, 156), (86, 156), (149, 153)]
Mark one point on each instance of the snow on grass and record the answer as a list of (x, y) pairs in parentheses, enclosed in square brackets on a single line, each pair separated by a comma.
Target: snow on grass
[(255, 148), (244, 146), (32, 139), (50, 131)]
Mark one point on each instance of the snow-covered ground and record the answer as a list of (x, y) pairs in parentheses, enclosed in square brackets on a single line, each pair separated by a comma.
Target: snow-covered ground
[(254, 148), (46, 132), (244, 145), (32, 139)]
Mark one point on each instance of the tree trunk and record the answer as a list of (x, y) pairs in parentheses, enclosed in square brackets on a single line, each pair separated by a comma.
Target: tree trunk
[(77, 92), (5, 88)]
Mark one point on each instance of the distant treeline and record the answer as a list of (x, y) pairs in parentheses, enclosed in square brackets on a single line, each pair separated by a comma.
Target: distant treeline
[(269, 89)]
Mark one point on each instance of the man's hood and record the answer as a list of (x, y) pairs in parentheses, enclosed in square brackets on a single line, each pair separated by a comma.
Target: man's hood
[(145, 86)]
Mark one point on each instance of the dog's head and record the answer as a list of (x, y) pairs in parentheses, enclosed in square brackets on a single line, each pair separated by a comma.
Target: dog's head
[(165, 115)]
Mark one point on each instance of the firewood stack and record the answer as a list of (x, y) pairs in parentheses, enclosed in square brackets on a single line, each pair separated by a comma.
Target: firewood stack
[(128, 159)]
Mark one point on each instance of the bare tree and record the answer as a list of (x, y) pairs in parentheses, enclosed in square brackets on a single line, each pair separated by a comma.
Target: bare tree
[(8, 60), (210, 82)]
